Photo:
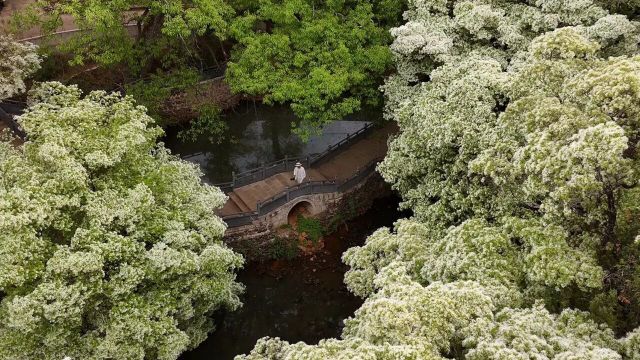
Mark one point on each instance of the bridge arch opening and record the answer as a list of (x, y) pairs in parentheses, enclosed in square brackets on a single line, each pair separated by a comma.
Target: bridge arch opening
[(303, 208)]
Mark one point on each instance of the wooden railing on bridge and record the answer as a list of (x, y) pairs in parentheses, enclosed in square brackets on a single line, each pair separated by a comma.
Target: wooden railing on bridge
[(267, 170), (306, 188)]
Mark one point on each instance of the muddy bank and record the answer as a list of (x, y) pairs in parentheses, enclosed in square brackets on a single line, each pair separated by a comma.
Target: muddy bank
[(303, 299)]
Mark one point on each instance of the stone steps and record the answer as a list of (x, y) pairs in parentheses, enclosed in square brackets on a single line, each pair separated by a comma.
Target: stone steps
[(249, 196), (281, 180), (239, 202), (230, 207)]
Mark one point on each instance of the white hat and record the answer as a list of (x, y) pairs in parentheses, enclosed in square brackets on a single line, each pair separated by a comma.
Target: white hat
[(298, 164)]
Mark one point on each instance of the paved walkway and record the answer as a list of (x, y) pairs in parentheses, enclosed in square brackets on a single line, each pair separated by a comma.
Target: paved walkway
[(340, 167)]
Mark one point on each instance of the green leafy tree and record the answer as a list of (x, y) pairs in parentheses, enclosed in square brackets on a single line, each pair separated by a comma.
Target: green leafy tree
[(325, 59), (154, 92), (109, 246), (131, 32), (209, 123)]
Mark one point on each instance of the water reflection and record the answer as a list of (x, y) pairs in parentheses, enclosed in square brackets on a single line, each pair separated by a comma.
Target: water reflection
[(259, 134)]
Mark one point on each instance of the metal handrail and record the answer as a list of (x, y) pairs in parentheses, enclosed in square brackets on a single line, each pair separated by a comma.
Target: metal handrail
[(261, 173), (64, 32), (74, 30), (247, 218)]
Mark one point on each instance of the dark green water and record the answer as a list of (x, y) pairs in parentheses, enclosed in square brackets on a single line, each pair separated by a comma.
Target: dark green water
[(297, 300), (258, 135)]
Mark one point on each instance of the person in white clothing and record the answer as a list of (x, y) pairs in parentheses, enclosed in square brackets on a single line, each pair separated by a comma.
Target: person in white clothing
[(298, 173)]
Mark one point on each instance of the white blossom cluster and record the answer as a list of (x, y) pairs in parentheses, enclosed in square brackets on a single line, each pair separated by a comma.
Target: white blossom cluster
[(438, 32), (517, 154), (109, 246), (17, 62)]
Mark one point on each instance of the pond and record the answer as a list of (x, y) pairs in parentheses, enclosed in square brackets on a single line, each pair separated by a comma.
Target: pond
[(303, 299), (260, 134)]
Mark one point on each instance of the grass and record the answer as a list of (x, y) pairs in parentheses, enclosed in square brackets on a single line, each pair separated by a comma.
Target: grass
[(312, 227)]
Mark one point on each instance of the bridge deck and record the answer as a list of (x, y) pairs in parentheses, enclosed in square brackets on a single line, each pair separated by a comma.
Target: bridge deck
[(340, 167)]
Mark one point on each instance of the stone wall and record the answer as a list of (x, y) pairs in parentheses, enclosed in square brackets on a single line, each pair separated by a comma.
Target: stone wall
[(331, 209), (355, 202)]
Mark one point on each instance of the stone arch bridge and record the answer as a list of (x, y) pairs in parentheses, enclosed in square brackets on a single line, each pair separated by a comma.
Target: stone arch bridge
[(268, 196)]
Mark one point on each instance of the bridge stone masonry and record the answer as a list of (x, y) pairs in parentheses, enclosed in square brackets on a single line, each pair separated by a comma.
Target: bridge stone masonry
[(264, 199)]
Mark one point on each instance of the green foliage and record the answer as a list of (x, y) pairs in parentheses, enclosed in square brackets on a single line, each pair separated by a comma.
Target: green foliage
[(282, 248), (163, 30), (277, 249), (209, 123), (108, 244), (153, 93), (325, 59), (346, 212), (311, 227)]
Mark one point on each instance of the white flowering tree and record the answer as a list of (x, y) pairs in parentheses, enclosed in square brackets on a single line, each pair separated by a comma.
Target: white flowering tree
[(109, 246), (545, 136), (518, 156), (443, 119), (461, 319), (17, 62)]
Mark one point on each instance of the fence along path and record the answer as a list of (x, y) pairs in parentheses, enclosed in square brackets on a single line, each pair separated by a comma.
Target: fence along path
[(286, 164), (336, 171)]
